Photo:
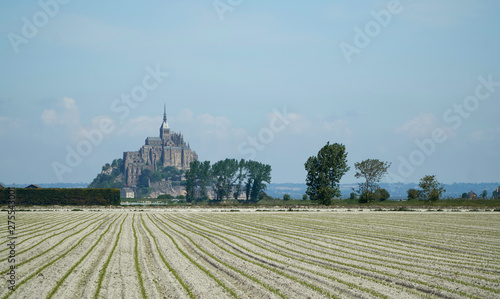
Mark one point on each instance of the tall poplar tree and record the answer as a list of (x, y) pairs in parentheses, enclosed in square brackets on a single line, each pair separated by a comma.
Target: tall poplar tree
[(324, 172)]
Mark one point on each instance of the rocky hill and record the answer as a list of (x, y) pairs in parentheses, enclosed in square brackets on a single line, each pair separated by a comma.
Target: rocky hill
[(150, 184)]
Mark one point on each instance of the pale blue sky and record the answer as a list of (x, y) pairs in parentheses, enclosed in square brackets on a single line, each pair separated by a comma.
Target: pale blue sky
[(229, 73)]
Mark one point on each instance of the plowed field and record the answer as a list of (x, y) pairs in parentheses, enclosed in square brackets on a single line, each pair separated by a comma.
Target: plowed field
[(207, 254)]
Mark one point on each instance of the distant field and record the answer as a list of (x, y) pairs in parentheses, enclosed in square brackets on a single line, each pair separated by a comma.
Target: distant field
[(249, 254)]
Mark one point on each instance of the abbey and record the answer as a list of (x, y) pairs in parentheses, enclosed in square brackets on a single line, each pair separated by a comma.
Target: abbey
[(169, 149)]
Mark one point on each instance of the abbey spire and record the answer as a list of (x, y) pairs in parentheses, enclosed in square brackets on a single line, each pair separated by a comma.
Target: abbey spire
[(165, 123), (164, 129)]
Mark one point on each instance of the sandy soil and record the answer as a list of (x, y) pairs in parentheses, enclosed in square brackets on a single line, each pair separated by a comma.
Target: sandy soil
[(248, 254)]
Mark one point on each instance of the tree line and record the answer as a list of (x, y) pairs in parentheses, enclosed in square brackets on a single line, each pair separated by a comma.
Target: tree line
[(227, 178), (325, 170)]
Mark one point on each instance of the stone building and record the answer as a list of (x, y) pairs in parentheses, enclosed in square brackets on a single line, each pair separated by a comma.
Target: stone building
[(169, 149), (127, 193)]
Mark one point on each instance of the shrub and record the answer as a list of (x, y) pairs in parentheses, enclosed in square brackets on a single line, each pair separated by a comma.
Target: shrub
[(69, 196)]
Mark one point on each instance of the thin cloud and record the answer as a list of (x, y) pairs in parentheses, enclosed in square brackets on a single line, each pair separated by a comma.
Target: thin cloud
[(421, 126)]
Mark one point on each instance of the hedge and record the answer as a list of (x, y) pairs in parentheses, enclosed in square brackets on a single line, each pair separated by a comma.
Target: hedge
[(69, 196)]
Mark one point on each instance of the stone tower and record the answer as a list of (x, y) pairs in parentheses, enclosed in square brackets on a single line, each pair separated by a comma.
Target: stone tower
[(169, 149), (164, 129)]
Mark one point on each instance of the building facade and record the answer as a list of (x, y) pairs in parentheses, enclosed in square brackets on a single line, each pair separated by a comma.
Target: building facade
[(169, 149)]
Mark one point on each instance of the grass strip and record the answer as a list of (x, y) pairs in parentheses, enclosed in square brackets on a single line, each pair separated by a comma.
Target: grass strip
[(347, 265), (232, 292), (49, 237), (55, 245), (170, 268), (407, 239), (305, 283), (53, 224), (486, 288), (268, 287), (348, 284), (58, 284), (52, 262), (105, 266), (136, 259), (26, 228)]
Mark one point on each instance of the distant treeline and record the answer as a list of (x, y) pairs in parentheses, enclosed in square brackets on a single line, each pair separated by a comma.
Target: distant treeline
[(74, 197), (397, 190)]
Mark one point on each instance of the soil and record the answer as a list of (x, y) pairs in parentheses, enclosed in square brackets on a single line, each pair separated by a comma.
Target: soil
[(215, 253)]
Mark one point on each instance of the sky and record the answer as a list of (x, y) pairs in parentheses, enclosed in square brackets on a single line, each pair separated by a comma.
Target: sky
[(415, 83)]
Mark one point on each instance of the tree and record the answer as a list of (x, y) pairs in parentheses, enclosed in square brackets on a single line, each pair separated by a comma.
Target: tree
[(432, 190), (353, 197), (224, 177), (286, 197), (171, 173), (324, 172), (204, 177), (191, 174), (264, 196), (413, 194), (304, 197), (224, 173), (372, 170), (381, 194), (484, 194), (257, 175), (198, 178), (144, 178), (165, 196), (240, 178)]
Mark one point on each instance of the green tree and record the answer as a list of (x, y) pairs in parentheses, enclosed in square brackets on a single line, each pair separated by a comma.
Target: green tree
[(190, 175), (171, 173), (118, 163), (413, 194), (155, 176), (197, 179), (353, 196), (240, 178), (484, 194), (224, 173), (304, 197), (204, 178), (381, 194), (264, 196), (324, 172), (257, 175), (111, 180), (286, 197), (144, 178), (372, 170), (165, 196), (432, 190)]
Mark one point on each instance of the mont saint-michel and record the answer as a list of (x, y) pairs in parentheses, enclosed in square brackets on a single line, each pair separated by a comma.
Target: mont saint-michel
[(169, 149), (169, 155)]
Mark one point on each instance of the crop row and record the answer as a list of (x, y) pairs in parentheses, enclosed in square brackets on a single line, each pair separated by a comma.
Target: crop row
[(241, 255)]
